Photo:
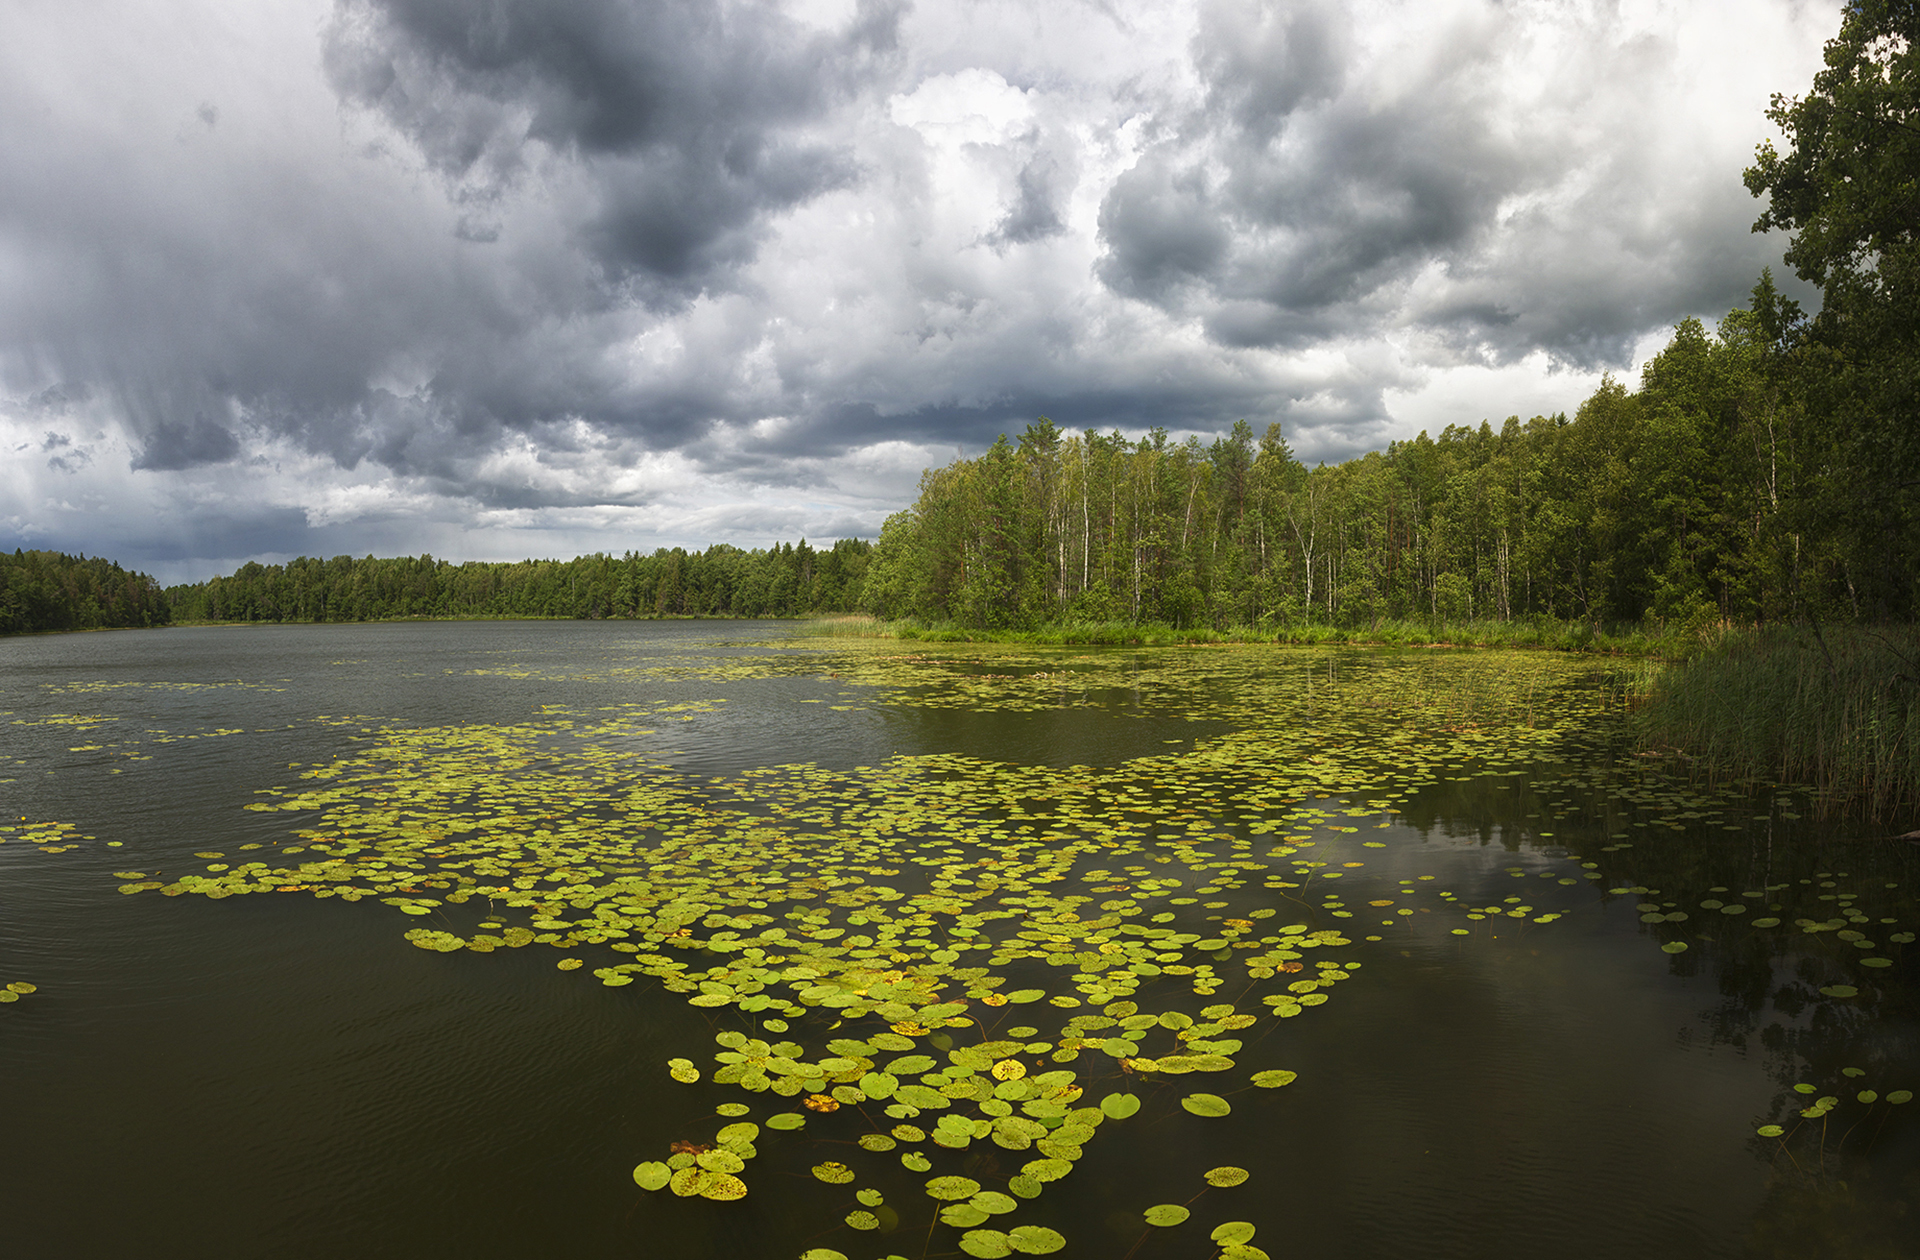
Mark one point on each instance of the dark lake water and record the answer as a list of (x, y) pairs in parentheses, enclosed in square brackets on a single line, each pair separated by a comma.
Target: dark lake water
[(1507, 1064)]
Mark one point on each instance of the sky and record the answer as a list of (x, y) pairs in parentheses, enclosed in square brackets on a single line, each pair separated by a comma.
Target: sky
[(549, 277)]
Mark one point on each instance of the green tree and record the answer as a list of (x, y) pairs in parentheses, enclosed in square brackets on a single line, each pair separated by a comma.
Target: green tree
[(1848, 188)]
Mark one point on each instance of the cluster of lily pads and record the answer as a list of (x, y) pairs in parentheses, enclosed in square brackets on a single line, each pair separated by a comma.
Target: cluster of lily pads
[(915, 904), (1805, 1135), (871, 931)]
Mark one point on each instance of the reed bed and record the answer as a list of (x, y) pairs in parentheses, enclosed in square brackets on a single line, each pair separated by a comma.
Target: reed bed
[(1837, 708)]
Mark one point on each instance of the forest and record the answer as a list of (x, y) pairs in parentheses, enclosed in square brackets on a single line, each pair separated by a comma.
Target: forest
[(47, 590), (786, 580), (1711, 494)]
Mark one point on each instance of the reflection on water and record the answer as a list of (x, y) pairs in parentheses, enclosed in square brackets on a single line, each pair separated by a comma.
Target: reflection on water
[(277, 1076)]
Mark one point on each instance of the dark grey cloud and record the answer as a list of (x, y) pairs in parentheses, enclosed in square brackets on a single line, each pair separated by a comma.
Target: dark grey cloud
[(1035, 214), (689, 117), (172, 447)]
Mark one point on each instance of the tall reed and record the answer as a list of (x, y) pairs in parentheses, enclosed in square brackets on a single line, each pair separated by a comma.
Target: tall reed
[(1838, 708)]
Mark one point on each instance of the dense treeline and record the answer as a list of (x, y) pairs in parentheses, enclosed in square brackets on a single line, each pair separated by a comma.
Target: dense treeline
[(722, 581), (1706, 495), (46, 590)]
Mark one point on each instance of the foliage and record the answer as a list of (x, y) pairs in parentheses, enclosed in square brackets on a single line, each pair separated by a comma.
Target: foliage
[(1848, 187), (722, 581), (1695, 500), (46, 590)]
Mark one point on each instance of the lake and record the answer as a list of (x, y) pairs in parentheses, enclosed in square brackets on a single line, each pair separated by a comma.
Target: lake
[(424, 940)]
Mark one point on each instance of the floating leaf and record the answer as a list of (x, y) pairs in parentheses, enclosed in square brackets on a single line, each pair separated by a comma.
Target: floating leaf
[(1226, 1175), (1035, 1240), (1900, 1096), (723, 1187), (863, 1220), (1166, 1214), (720, 1161), (786, 1120), (1275, 1079), (989, 1244), (1770, 1130), (1120, 1106), (950, 1188), (1674, 947), (1206, 1104), (1232, 1233), (652, 1175)]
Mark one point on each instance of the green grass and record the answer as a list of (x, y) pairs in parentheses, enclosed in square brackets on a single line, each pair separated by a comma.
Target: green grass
[(1838, 709)]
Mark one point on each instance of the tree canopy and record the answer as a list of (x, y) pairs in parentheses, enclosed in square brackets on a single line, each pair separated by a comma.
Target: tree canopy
[(1848, 188)]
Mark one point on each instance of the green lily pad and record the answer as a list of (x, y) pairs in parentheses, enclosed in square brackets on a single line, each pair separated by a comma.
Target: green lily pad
[(1674, 947), (1166, 1214), (1045, 1170), (1226, 1176), (723, 1187), (786, 1120), (863, 1220), (1275, 1079), (950, 1188), (1120, 1106), (1211, 1105), (652, 1175), (1770, 1130), (1035, 1240), (1232, 1233), (988, 1244)]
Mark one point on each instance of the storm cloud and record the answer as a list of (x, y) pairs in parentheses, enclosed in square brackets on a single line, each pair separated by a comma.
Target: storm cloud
[(547, 276)]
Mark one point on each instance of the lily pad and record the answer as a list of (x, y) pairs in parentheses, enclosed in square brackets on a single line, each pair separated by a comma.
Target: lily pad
[(1035, 1240), (1211, 1105), (953, 1188), (988, 1244), (1166, 1214), (1226, 1175), (1232, 1233), (652, 1175)]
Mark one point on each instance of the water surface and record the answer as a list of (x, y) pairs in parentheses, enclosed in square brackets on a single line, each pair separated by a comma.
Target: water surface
[(276, 1074)]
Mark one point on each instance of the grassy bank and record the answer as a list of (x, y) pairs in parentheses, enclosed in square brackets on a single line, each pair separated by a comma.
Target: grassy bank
[(1838, 708), (1541, 633)]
